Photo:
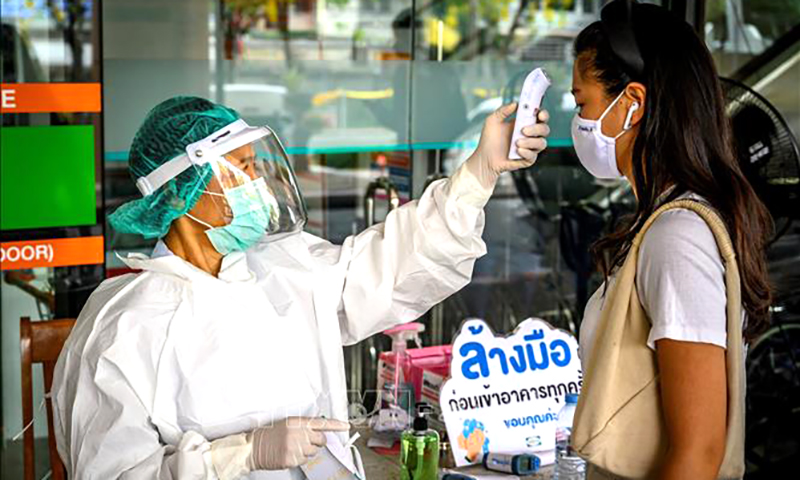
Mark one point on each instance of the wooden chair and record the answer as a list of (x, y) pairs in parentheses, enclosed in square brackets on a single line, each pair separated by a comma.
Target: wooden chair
[(40, 342)]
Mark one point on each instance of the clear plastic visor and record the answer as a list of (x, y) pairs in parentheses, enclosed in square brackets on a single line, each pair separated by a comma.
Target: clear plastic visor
[(249, 175)]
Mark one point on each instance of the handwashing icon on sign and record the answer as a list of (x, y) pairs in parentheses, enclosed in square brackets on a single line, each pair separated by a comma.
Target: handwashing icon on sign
[(507, 388), (473, 439)]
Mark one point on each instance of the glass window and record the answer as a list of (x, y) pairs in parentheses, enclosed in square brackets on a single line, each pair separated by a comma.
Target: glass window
[(470, 58), (738, 30), (51, 194), (49, 41), (363, 89)]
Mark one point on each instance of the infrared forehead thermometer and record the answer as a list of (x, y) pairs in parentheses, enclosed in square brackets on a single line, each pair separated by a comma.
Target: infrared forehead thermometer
[(530, 99)]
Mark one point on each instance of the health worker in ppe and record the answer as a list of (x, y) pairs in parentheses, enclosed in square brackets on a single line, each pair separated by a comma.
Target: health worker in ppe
[(223, 357)]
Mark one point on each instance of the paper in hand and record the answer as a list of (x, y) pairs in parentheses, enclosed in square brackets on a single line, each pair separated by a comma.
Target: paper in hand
[(334, 462)]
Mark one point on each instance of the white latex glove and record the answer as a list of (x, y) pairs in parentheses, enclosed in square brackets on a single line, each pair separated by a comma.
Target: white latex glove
[(490, 159), (290, 442)]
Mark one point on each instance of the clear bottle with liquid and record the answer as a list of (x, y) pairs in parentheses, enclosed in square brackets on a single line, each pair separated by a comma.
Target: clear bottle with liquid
[(419, 449), (399, 394), (569, 466)]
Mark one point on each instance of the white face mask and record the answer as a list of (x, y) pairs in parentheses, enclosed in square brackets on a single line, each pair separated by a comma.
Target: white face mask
[(596, 151)]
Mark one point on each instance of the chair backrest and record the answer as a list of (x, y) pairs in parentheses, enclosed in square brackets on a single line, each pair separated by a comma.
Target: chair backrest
[(40, 342)]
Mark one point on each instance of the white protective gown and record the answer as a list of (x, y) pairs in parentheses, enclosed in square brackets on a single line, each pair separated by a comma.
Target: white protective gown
[(163, 362)]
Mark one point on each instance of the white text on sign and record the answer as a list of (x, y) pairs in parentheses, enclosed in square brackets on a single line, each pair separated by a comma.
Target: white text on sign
[(27, 253), (9, 98)]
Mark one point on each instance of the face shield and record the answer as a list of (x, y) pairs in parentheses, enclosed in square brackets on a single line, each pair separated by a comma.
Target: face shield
[(253, 191)]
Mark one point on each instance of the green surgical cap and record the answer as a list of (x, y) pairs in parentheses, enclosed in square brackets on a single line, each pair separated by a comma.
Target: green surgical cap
[(165, 133)]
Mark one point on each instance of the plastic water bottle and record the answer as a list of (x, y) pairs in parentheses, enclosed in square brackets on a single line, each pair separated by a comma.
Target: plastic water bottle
[(569, 466)]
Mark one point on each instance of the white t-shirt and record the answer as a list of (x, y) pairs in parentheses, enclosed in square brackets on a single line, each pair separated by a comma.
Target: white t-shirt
[(680, 279)]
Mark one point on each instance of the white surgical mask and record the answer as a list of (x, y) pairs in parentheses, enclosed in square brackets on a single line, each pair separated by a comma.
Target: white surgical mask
[(596, 151)]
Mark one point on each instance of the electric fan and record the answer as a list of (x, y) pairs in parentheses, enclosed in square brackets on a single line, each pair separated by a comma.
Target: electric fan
[(766, 148)]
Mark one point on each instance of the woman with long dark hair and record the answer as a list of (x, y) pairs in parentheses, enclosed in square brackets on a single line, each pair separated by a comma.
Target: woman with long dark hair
[(686, 280)]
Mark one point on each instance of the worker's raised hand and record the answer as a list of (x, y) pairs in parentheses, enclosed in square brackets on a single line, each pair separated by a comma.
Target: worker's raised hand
[(491, 157), (290, 442)]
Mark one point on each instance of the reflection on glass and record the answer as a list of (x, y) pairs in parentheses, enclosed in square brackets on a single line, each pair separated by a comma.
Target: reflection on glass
[(537, 230), (738, 30), (47, 41), (332, 79), (358, 89)]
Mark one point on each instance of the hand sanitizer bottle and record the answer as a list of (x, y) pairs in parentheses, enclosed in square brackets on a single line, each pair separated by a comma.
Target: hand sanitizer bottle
[(419, 449)]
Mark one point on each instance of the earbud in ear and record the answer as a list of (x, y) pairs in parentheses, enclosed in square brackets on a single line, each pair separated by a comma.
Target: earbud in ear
[(627, 125)]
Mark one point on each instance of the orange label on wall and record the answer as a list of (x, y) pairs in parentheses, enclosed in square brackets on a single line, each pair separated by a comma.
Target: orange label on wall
[(62, 252), (50, 97)]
